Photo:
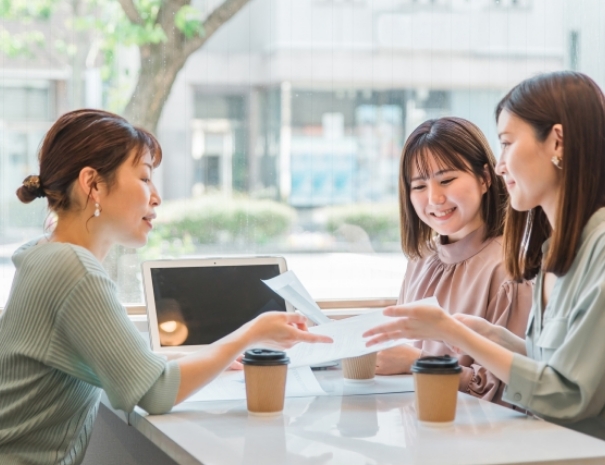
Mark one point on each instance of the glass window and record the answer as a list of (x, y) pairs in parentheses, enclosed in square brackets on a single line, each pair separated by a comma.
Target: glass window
[(282, 132)]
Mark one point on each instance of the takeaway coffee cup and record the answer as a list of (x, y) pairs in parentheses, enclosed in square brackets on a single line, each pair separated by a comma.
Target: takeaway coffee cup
[(359, 368), (436, 381), (265, 373)]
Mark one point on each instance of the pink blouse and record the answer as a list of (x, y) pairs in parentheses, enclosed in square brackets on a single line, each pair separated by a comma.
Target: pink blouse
[(469, 277)]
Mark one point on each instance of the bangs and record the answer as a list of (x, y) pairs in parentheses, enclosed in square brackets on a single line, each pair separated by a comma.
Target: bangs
[(144, 140), (419, 159)]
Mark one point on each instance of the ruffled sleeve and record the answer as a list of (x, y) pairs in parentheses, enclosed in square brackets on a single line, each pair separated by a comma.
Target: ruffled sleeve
[(509, 308)]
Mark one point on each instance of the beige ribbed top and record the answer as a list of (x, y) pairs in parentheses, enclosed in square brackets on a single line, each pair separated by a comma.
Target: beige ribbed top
[(469, 277)]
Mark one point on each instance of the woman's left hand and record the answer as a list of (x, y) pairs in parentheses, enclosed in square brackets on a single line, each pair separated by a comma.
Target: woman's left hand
[(411, 322)]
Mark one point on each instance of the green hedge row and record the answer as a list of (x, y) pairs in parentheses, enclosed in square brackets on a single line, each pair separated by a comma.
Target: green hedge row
[(212, 220)]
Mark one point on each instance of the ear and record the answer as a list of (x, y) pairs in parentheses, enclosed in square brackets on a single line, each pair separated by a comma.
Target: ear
[(88, 184), (556, 133), (486, 179)]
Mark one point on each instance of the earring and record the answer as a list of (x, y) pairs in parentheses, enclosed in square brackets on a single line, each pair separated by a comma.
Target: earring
[(97, 210), (556, 161)]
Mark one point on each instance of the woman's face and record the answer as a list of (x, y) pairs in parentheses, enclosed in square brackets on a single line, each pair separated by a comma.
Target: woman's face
[(128, 208), (525, 163), (448, 200)]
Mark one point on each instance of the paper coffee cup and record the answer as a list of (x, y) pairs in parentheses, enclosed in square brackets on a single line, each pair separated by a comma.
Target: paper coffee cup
[(359, 368), (436, 382), (265, 373)]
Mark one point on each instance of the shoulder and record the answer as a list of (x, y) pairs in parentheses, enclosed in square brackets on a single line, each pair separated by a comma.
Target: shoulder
[(55, 259)]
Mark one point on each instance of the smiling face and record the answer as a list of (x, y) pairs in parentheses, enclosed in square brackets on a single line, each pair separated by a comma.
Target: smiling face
[(447, 200), (128, 206), (526, 164)]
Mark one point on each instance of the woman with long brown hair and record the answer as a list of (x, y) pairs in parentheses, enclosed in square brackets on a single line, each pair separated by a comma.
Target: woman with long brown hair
[(64, 334), (452, 208), (552, 131)]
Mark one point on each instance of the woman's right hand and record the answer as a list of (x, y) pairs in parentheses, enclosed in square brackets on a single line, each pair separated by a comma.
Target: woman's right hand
[(281, 330)]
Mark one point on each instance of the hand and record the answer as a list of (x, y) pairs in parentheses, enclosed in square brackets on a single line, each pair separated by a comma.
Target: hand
[(396, 360), (282, 329), (236, 364), (412, 322), (477, 324)]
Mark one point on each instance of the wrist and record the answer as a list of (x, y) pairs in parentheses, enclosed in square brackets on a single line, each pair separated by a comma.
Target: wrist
[(455, 335)]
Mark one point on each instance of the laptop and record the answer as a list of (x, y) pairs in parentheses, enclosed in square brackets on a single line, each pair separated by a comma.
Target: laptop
[(195, 302)]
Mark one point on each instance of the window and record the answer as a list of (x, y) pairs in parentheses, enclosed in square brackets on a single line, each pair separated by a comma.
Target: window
[(282, 133)]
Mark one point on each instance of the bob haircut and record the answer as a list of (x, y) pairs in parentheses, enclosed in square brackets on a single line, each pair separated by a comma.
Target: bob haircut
[(86, 138), (575, 101), (457, 144)]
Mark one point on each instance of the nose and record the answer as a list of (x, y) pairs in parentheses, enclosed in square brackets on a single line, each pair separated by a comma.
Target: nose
[(156, 199), (501, 165), (436, 196)]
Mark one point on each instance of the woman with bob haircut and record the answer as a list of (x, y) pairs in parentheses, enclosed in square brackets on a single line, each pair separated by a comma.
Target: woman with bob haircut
[(452, 208), (64, 334), (552, 131)]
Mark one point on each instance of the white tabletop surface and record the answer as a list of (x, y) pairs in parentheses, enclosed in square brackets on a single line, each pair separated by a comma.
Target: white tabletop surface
[(361, 429)]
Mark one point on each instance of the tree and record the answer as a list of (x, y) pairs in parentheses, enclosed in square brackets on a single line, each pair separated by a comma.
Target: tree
[(166, 32), (161, 61)]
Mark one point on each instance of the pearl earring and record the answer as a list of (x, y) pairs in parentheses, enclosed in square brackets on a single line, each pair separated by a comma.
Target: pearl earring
[(97, 210), (556, 161)]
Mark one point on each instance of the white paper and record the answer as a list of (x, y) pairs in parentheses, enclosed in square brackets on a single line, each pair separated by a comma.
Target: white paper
[(347, 337), (290, 288), (230, 385)]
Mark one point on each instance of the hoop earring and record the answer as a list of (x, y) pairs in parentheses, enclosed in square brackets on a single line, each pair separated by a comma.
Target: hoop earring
[(97, 212), (557, 162)]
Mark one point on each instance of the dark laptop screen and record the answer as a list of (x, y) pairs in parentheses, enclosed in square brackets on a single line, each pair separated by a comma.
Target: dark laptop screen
[(199, 305)]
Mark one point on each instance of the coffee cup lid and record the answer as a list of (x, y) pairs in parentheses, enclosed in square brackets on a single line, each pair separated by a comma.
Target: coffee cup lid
[(265, 357), (441, 365)]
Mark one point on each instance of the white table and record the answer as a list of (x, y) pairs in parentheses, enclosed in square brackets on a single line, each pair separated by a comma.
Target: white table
[(362, 429)]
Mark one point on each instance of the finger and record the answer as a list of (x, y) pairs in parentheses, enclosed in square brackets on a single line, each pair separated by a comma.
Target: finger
[(310, 337), (296, 319), (235, 365), (386, 327), (388, 336), (397, 310)]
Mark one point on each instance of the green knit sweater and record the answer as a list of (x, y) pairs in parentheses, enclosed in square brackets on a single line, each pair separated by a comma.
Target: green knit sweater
[(64, 336)]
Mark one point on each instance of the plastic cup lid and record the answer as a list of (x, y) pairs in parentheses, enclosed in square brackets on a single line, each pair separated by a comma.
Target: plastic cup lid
[(442, 364), (265, 357)]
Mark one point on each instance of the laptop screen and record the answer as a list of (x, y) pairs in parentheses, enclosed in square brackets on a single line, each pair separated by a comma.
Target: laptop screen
[(199, 305)]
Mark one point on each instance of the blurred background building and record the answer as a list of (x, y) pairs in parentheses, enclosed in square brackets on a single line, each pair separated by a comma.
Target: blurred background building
[(303, 102)]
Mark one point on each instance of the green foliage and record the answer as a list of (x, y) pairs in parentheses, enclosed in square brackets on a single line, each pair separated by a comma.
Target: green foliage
[(14, 45), (218, 220), (27, 9), (189, 21), (379, 221), (105, 18)]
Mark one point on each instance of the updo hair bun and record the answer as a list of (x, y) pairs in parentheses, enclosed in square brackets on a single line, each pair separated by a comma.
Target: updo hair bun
[(30, 190)]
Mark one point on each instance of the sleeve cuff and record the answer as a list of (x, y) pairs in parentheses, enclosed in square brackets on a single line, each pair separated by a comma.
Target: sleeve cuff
[(524, 376), (465, 378), (162, 395)]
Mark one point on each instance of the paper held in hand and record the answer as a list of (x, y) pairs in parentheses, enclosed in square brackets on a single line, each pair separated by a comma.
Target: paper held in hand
[(347, 333)]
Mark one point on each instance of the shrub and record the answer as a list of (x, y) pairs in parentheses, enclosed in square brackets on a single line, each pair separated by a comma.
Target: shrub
[(214, 219), (379, 221)]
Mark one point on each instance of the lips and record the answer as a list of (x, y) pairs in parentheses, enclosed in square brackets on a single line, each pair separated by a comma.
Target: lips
[(148, 219), (443, 213)]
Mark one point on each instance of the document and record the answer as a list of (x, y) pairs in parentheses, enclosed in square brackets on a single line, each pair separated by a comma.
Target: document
[(347, 337), (291, 289), (347, 333), (230, 385)]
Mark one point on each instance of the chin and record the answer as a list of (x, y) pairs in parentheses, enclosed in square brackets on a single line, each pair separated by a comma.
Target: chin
[(134, 243)]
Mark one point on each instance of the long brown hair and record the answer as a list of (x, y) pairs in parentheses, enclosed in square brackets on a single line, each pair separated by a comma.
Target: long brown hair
[(575, 101), (85, 138), (454, 143)]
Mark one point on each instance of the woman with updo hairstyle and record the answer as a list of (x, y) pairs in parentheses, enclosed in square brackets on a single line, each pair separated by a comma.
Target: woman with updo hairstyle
[(64, 334)]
